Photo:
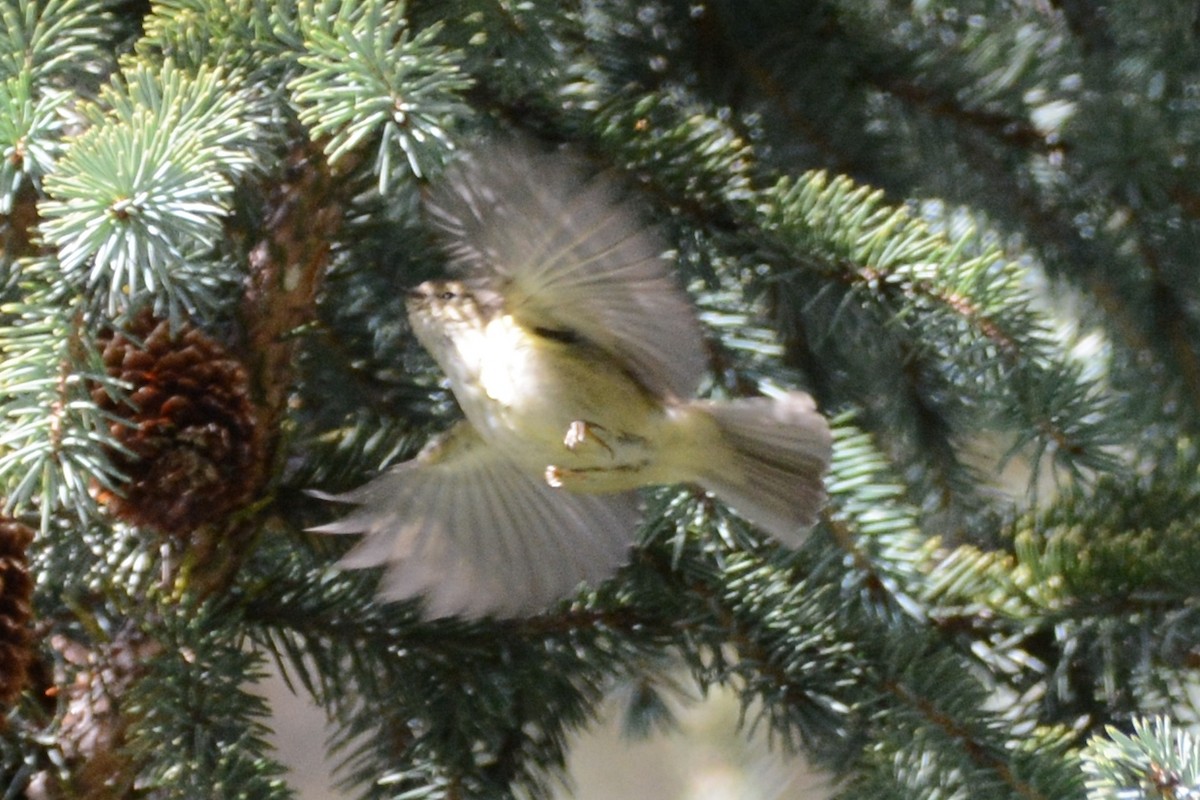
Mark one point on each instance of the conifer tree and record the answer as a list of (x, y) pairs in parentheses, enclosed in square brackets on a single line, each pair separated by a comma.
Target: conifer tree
[(969, 228)]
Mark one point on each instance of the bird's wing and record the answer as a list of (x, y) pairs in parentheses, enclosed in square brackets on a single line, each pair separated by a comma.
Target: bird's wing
[(465, 528), (570, 254)]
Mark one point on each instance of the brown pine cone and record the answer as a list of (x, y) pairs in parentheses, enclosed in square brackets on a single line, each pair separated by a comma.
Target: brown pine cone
[(196, 443), (16, 609)]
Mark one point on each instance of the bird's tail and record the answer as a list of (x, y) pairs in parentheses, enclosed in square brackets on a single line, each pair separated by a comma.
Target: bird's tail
[(776, 453)]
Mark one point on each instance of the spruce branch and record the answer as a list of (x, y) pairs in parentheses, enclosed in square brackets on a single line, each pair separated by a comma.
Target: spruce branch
[(138, 202), (191, 694), (699, 163), (803, 653), (928, 287), (433, 715), (53, 448), (1158, 761), (288, 252), (242, 37), (368, 77), (1099, 565), (986, 755), (54, 41), (870, 521), (30, 130)]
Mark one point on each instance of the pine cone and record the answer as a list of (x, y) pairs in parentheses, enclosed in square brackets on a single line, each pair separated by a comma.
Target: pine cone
[(93, 681), (16, 609), (197, 445)]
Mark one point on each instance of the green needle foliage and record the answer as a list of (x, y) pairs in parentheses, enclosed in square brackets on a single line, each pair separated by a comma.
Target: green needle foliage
[(55, 42), (366, 78), (138, 202), (967, 228), (29, 131), (1157, 759)]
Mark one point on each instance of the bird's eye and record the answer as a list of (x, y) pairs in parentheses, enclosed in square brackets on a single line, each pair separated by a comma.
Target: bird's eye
[(447, 295)]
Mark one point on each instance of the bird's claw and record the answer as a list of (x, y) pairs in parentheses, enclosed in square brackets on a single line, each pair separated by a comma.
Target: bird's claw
[(580, 432)]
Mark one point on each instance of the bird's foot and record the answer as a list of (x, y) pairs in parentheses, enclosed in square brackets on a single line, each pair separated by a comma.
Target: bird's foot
[(554, 476), (580, 432)]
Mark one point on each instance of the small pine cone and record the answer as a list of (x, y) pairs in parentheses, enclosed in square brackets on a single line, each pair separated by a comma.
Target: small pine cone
[(197, 445), (93, 681), (16, 609)]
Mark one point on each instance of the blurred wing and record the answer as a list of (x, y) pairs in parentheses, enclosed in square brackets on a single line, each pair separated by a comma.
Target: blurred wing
[(463, 527), (570, 254)]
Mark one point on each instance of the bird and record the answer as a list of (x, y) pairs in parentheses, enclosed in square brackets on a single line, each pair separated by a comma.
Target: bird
[(575, 357)]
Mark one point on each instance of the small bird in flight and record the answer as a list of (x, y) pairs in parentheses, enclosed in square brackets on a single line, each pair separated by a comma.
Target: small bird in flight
[(575, 358)]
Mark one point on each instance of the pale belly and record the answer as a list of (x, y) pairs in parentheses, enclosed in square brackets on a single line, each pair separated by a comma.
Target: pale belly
[(569, 415)]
